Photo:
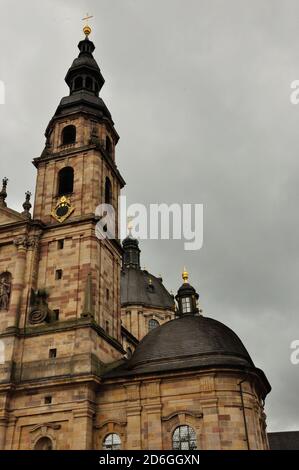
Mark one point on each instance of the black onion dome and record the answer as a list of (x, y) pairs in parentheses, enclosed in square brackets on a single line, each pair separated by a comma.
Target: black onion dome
[(191, 340), (139, 287)]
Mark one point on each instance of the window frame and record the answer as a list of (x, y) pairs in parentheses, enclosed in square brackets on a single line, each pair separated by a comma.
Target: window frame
[(113, 446), (191, 438)]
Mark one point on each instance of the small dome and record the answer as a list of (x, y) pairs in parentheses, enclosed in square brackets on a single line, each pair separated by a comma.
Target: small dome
[(138, 287), (189, 341)]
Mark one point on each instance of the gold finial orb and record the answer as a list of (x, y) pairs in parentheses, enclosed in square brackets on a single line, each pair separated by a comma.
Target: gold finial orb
[(87, 30), (185, 275)]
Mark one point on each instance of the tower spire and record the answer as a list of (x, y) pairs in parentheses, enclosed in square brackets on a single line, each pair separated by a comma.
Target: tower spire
[(84, 75)]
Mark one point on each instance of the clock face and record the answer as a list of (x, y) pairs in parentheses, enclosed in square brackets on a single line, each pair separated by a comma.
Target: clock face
[(62, 210)]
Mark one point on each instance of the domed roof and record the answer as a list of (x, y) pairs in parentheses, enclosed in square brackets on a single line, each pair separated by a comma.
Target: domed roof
[(189, 341), (139, 287)]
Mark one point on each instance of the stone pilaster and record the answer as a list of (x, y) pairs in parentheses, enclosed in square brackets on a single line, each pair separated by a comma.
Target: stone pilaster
[(83, 428), (21, 244), (133, 416)]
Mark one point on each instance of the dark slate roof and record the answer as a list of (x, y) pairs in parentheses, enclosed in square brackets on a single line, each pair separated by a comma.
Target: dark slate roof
[(201, 339), (191, 341), (137, 290), (83, 101), (288, 440)]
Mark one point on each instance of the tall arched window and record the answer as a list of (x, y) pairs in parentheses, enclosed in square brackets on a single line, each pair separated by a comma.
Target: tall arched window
[(68, 135), (152, 323), (184, 438), (112, 442), (44, 443), (108, 191), (65, 181)]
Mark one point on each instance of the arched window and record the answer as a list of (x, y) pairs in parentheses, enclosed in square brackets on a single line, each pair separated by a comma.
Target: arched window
[(108, 146), (88, 83), (5, 290), (108, 191), (65, 181), (68, 135), (78, 83), (112, 442), (44, 443), (184, 438), (152, 323)]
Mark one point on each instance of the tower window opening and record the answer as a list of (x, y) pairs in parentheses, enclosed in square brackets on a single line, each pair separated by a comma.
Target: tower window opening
[(108, 146), (52, 353), (78, 84), (60, 244), (48, 400), (108, 191), (58, 274), (153, 324), (69, 135), (186, 305), (56, 314), (88, 83), (65, 181)]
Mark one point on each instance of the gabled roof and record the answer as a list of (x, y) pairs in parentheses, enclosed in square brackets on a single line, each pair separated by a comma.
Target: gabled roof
[(10, 216)]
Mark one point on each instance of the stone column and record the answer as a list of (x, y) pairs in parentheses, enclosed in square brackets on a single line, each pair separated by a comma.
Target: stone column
[(30, 274), (18, 281)]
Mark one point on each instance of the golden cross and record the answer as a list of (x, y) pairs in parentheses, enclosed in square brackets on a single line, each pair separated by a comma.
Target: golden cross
[(87, 17), (87, 28)]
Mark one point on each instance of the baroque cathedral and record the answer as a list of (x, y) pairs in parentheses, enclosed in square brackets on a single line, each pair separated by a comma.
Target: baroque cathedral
[(96, 353)]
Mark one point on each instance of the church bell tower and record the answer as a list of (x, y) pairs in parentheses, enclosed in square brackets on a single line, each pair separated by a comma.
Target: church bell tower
[(75, 173), (60, 284)]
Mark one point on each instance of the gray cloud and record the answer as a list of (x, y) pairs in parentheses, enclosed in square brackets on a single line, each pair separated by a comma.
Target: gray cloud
[(199, 92)]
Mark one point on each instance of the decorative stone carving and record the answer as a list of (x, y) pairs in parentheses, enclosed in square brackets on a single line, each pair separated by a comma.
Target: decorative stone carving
[(33, 241), (21, 241), (24, 241), (5, 290), (39, 310)]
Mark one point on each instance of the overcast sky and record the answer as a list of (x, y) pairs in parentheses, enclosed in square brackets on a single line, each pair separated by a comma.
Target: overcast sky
[(199, 92)]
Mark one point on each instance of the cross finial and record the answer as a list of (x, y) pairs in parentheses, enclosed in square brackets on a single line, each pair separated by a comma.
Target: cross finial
[(87, 28)]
